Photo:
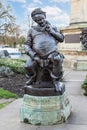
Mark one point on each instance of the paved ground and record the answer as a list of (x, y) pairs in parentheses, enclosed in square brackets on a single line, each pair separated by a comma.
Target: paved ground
[(10, 120), (3, 100)]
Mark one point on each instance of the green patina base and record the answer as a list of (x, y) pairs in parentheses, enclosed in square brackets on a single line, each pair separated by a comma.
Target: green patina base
[(46, 110)]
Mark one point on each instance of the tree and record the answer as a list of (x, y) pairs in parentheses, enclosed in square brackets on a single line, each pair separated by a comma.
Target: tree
[(6, 18), (21, 40), (9, 30)]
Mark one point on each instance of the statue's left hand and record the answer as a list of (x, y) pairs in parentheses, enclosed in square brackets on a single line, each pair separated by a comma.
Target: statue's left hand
[(53, 55), (56, 57)]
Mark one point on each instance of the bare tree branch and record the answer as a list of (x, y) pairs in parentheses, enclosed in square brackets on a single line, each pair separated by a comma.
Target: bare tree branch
[(6, 18)]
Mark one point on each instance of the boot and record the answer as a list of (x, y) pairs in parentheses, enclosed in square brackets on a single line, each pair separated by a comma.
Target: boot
[(58, 85)]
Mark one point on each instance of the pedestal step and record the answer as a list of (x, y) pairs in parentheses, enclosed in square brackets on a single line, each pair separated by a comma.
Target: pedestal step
[(47, 110)]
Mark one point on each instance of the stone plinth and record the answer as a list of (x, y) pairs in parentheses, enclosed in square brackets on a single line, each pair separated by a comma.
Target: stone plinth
[(78, 12), (78, 21), (47, 110)]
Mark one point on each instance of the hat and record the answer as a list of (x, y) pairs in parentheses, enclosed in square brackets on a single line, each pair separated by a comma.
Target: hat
[(37, 11)]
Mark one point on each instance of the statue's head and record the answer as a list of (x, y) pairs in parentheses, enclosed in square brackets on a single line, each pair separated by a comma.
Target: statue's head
[(37, 12), (39, 16), (84, 38)]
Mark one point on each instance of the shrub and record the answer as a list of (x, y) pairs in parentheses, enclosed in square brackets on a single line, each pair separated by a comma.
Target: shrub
[(16, 65), (84, 86)]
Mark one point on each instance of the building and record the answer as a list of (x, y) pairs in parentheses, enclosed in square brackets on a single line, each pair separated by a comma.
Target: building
[(78, 21)]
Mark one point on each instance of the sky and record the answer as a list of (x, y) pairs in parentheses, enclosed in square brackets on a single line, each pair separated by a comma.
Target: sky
[(57, 11)]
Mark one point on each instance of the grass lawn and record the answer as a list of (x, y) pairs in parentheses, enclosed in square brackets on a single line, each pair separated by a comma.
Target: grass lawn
[(4, 104), (7, 94)]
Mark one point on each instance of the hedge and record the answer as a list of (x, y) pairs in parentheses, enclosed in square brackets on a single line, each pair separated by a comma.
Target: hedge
[(16, 65)]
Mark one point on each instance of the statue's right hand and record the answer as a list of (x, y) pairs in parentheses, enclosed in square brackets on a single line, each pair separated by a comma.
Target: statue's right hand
[(31, 53), (36, 58)]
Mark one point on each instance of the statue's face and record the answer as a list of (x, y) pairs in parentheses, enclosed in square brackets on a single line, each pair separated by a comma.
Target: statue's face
[(40, 19)]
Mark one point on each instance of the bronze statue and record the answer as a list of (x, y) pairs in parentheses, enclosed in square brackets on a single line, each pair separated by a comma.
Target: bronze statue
[(45, 62), (83, 38)]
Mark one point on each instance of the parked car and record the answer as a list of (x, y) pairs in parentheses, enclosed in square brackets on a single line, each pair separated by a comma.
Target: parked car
[(13, 52)]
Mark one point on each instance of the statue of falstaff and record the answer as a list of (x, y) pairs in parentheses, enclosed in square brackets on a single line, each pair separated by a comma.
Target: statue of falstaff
[(41, 46)]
